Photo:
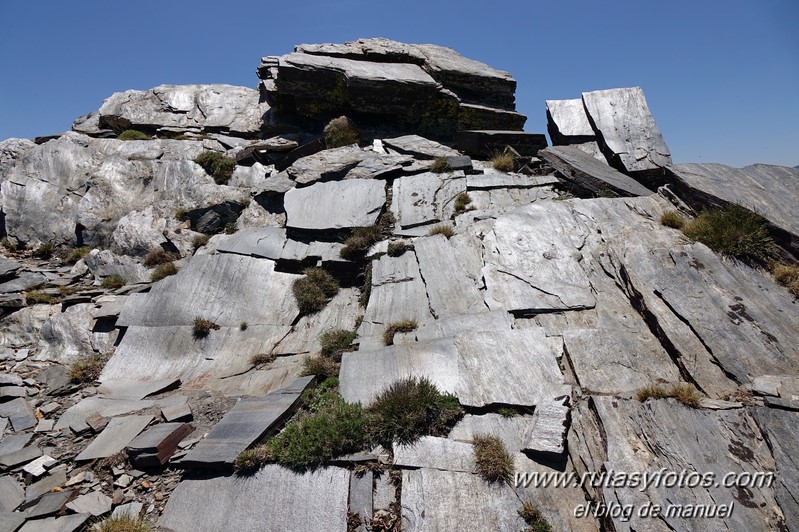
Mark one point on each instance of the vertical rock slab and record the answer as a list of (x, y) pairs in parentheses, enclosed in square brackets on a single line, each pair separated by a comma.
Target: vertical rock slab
[(335, 204), (587, 173), (274, 498)]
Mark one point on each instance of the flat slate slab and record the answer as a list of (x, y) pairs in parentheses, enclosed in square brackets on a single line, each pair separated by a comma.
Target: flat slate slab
[(335, 205), (493, 179), (436, 453), (485, 143), (11, 521), (549, 427), (155, 445), (68, 523), (425, 198), (246, 423), (20, 456), (495, 320), (589, 173), (119, 433), (515, 432), (19, 413), (516, 367), (95, 503), (420, 147), (133, 389), (12, 494), (274, 498)]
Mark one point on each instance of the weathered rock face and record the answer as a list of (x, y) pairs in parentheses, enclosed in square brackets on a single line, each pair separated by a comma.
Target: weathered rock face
[(425, 88)]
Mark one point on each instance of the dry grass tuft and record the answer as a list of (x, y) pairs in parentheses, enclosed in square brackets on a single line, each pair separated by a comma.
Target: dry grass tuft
[(445, 230), (494, 462), (398, 327), (673, 219)]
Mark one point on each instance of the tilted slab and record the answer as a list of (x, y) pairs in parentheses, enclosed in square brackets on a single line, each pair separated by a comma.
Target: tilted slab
[(246, 423), (266, 242), (335, 205), (480, 368), (274, 498), (425, 198), (68, 523), (589, 173), (496, 320), (499, 200), (567, 122), (515, 432), (132, 389), (119, 433), (76, 416), (487, 142), (436, 453), (420, 147), (492, 179), (780, 428), (19, 413), (339, 313), (227, 289), (549, 427)]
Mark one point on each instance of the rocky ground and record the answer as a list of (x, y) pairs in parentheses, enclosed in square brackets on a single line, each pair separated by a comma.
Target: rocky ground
[(546, 295)]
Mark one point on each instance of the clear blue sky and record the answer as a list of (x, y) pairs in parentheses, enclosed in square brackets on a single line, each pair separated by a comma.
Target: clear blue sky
[(721, 77)]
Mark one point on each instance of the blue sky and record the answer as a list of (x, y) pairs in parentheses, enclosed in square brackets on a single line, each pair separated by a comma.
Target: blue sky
[(721, 77)]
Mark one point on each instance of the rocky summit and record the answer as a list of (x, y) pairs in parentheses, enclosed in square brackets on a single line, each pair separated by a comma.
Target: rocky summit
[(360, 298)]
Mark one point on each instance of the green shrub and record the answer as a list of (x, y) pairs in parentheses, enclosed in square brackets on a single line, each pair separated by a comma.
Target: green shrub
[(217, 166), (532, 516), (340, 132), (787, 275), (684, 393), (253, 459), (199, 241), (366, 286), (163, 270), (411, 408), (113, 281), (672, 219), (359, 242), (445, 230), (86, 370), (123, 523), (398, 327), (334, 429), (203, 328), (37, 297), (503, 162), (313, 291), (132, 134), (462, 202), (440, 166), (322, 367), (158, 256), (76, 254), (494, 462), (230, 228), (507, 412), (386, 223), (734, 231), (396, 249), (45, 251), (337, 341)]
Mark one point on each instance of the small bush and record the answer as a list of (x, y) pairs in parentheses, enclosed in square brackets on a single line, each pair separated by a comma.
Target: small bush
[(366, 286), (163, 270), (684, 393), (86, 370), (734, 231), (203, 328), (68, 290), (532, 516), (340, 132), (253, 459), (336, 428), (217, 166), (76, 254), (313, 291), (199, 241), (337, 341), (113, 281), (494, 462), (37, 297), (132, 134), (787, 275), (158, 256), (396, 249), (124, 523), (445, 230), (386, 223), (503, 162), (440, 166), (462, 202), (398, 327), (411, 408), (45, 251), (672, 219), (651, 392), (359, 242), (320, 366), (261, 359), (243, 326), (507, 412), (230, 228)]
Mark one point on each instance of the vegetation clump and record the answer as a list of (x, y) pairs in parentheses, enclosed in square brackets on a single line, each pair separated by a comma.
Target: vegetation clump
[(217, 166), (445, 230), (359, 242), (398, 327), (440, 166), (787, 275), (163, 270), (133, 134), (158, 256), (340, 132), (86, 370), (735, 231), (253, 459), (76, 254), (199, 241), (366, 285), (314, 290), (396, 249), (261, 359), (45, 251), (532, 516), (507, 412), (335, 342), (203, 327), (38, 297), (123, 523), (503, 162), (684, 393), (411, 408), (494, 462), (672, 219), (462, 202), (113, 281)]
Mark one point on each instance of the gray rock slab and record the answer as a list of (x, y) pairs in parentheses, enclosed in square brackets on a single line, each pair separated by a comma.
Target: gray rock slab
[(549, 427), (12, 494), (436, 453), (118, 434), (50, 504), (349, 203), (361, 496), (311, 501), (493, 179), (498, 201), (327, 165), (480, 368), (25, 281), (266, 242), (447, 500), (155, 445), (567, 122), (19, 456), (515, 432), (449, 289), (76, 416), (66, 336), (420, 147), (486, 142), (228, 288), (56, 479), (95, 503), (626, 128), (133, 389), (132, 509), (14, 442), (496, 320), (11, 522), (177, 413), (39, 467), (425, 198), (246, 423), (590, 174), (68, 523), (779, 428), (19, 413), (12, 392)]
